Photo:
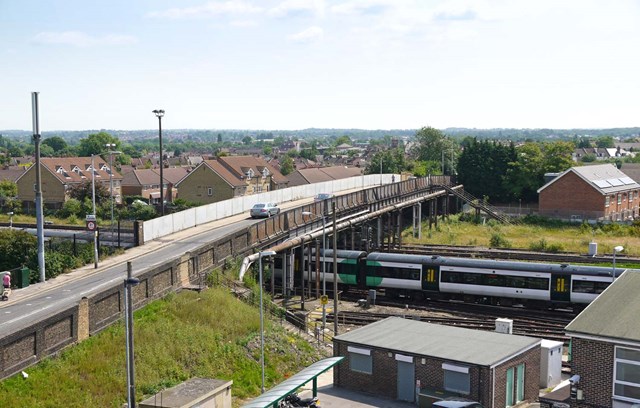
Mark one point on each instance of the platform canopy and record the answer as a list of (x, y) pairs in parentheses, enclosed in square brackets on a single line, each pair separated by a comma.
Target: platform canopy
[(272, 397)]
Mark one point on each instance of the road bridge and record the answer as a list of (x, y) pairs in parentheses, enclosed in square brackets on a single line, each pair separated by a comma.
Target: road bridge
[(41, 319)]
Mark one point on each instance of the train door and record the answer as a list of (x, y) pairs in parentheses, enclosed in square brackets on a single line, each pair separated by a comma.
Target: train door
[(560, 288), (430, 277)]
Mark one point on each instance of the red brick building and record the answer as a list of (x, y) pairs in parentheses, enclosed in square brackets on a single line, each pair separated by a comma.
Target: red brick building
[(605, 341), (391, 357), (590, 193)]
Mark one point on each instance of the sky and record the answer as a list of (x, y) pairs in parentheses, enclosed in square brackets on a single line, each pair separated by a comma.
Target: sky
[(297, 64)]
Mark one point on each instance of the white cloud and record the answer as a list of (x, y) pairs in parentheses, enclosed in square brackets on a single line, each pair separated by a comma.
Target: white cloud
[(309, 35), (210, 9), (357, 7), (80, 39), (243, 23), (297, 7)]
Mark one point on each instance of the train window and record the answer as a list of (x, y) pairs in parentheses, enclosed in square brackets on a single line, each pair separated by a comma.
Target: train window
[(589, 287), (495, 280), (516, 281), (537, 283)]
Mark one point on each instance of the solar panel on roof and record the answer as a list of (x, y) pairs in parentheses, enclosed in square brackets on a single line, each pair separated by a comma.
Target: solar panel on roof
[(615, 182), (601, 183), (627, 180)]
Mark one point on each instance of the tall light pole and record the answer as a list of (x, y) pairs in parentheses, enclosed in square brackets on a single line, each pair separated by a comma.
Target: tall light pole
[(93, 200), (616, 249), (381, 169), (38, 186), (260, 256), (110, 146), (324, 276), (159, 114)]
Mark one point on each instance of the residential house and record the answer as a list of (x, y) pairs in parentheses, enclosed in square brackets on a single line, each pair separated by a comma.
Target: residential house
[(59, 174), (228, 177), (146, 183), (320, 174), (398, 358), (590, 193)]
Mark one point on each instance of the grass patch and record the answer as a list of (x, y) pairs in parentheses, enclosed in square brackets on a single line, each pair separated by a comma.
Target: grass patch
[(534, 234), (208, 334)]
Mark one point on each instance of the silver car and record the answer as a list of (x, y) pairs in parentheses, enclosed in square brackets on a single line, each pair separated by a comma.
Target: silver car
[(264, 210)]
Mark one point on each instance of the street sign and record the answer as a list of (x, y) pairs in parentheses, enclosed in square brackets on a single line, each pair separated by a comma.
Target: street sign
[(91, 222), (324, 299)]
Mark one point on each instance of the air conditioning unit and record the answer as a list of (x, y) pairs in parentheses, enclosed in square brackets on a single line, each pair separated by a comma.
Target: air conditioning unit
[(504, 326)]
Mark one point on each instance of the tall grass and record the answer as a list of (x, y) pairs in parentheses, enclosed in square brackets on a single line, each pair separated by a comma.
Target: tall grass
[(535, 235), (208, 334)]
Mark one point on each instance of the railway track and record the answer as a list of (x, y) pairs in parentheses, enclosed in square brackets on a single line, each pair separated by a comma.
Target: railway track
[(511, 254), (534, 323)]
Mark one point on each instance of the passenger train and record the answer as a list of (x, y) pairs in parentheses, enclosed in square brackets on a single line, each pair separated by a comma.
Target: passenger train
[(472, 280)]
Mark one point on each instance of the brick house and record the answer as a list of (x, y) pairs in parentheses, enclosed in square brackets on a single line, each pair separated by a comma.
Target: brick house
[(592, 193), (390, 357), (227, 177), (605, 347), (146, 183), (59, 174)]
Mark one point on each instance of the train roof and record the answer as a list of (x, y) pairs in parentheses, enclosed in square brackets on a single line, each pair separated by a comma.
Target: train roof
[(327, 253), (437, 260)]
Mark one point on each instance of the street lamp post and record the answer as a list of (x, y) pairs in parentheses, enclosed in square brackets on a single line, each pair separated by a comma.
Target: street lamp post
[(616, 249), (159, 114), (324, 276), (110, 146), (10, 214), (93, 200), (260, 256)]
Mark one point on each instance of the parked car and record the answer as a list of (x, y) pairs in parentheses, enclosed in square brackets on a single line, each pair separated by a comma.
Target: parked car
[(456, 402), (264, 210), (323, 196)]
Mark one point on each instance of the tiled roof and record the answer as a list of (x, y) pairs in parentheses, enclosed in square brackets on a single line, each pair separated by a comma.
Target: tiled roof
[(78, 169), (147, 177), (320, 174), (605, 178), (235, 164)]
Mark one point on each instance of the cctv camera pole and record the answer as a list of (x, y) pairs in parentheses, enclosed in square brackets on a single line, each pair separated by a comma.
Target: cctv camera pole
[(95, 231), (38, 187)]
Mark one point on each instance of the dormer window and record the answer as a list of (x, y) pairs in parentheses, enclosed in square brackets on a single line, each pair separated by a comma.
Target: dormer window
[(265, 172), (250, 173)]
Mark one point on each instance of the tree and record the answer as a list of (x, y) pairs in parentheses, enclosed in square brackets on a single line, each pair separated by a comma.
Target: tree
[(84, 191), (286, 165), (605, 142), (430, 143), (17, 247), (96, 144), (525, 175), (247, 140), (57, 143), (391, 160), (558, 156), (342, 140), (8, 188)]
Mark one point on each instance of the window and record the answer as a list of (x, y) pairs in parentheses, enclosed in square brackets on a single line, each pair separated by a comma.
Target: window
[(209, 191), (619, 198), (626, 382), (360, 360), (606, 201), (580, 286), (456, 378)]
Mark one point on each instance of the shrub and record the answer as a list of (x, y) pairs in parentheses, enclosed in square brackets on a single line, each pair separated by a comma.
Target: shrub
[(499, 241)]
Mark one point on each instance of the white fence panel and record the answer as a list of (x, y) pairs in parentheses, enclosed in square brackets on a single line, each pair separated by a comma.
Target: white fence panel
[(169, 224)]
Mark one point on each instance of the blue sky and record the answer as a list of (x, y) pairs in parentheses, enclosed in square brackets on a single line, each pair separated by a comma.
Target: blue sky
[(294, 64)]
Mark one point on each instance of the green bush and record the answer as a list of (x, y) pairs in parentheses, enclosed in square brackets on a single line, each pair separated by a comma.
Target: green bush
[(499, 241)]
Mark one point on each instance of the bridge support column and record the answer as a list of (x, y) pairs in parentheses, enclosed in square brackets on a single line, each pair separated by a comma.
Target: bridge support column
[(318, 269), (417, 221), (399, 229), (379, 238)]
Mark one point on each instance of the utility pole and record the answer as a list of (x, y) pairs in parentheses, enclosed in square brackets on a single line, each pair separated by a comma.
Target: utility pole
[(38, 187)]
